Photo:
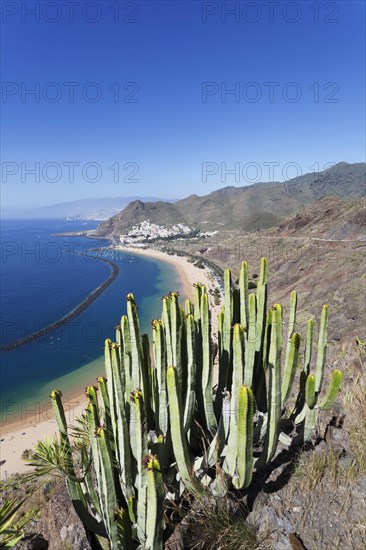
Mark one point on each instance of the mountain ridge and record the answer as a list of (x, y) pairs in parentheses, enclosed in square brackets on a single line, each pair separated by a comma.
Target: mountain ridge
[(258, 206)]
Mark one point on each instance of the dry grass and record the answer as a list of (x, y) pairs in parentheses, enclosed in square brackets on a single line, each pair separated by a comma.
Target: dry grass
[(354, 404), (311, 468), (328, 480), (217, 527)]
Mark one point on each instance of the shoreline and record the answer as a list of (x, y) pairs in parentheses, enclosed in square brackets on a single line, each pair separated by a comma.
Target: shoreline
[(71, 314), (23, 434)]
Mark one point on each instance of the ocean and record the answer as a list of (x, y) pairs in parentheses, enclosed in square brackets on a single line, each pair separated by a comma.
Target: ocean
[(42, 280)]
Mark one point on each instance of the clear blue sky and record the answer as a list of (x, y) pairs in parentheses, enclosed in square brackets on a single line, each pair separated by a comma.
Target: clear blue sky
[(168, 51)]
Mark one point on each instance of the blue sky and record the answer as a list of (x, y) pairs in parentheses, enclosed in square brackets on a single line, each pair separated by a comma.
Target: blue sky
[(298, 75)]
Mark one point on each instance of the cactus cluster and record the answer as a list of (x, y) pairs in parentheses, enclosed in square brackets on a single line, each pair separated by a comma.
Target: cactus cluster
[(156, 425)]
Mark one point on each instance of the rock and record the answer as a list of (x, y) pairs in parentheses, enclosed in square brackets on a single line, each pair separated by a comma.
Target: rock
[(287, 525), (264, 519), (32, 542), (336, 438), (60, 525), (282, 544)]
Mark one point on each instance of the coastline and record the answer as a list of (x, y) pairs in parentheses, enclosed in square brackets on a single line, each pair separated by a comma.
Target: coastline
[(23, 434), (71, 314), (189, 275)]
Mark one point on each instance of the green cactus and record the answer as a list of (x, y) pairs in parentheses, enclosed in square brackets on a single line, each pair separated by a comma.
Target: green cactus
[(309, 401), (155, 504), (274, 387), (207, 366), (179, 440), (245, 439), (292, 351), (191, 373), (244, 298), (158, 428)]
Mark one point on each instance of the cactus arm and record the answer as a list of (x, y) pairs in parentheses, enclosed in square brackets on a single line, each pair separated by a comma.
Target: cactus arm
[(309, 414), (197, 301), (106, 485), (260, 366), (160, 364), (274, 404), (126, 358), (119, 340), (138, 436), (236, 305), (232, 452), (188, 307), (244, 300), (91, 485), (145, 379), (332, 391), (92, 415), (136, 353), (245, 438), (238, 364), (120, 424), (73, 487), (310, 419), (59, 413), (310, 395), (291, 362), (113, 399), (220, 338), (167, 329), (155, 507), (292, 320), (225, 334), (228, 318), (251, 341), (152, 375), (183, 349), (176, 331), (239, 462), (309, 345), (109, 496), (102, 383), (261, 305), (217, 445), (207, 366), (191, 372), (180, 446), (298, 414), (322, 349)]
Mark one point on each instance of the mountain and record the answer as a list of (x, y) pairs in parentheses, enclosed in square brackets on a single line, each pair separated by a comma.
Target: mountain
[(257, 206), (329, 218), (93, 208)]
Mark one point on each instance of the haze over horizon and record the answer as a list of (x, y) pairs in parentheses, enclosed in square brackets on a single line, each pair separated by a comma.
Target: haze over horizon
[(89, 204), (176, 116)]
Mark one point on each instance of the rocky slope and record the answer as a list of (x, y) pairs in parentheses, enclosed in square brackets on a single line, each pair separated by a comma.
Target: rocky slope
[(329, 218)]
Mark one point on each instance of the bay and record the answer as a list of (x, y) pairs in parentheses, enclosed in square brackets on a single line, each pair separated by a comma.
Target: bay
[(41, 282)]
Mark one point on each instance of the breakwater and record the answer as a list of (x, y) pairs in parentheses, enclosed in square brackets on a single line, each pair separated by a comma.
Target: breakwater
[(74, 312)]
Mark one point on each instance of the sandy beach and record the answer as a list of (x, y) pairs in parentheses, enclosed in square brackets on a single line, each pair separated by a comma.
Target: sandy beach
[(24, 434)]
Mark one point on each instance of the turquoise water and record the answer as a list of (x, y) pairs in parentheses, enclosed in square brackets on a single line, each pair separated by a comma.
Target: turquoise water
[(41, 283)]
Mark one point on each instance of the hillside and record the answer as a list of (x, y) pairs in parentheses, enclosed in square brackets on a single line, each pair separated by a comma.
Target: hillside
[(257, 206), (329, 218)]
